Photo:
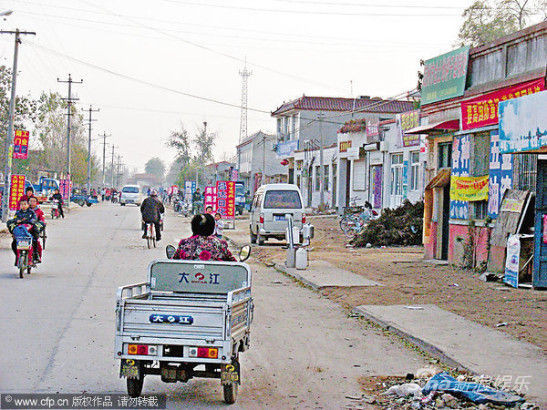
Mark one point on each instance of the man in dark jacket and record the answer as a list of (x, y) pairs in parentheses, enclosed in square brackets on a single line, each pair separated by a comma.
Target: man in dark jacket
[(151, 210), (59, 198)]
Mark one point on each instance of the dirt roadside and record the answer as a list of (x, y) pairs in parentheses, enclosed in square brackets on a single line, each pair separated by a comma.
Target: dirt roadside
[(407, 280)]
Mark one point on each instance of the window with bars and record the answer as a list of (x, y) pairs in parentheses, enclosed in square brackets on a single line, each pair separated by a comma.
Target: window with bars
[(445, 155), (524, 172)]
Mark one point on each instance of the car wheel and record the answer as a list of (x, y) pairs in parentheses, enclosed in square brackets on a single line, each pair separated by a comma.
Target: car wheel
[(253, 236)]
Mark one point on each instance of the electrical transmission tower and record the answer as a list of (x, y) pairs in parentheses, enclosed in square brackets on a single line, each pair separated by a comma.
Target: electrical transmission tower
[(245, 74)]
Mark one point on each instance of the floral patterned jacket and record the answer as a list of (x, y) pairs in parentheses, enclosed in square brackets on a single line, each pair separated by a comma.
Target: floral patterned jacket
[(204, 248)]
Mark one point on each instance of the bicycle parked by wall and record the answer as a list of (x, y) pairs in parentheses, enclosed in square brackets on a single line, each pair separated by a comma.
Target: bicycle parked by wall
[(356, 217)]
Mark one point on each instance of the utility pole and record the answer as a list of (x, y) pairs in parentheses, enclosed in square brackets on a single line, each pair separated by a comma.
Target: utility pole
[(9, 137), (91, 111), (104, 154), (112, 166), (118, 170), (321, 168), (69, 101)]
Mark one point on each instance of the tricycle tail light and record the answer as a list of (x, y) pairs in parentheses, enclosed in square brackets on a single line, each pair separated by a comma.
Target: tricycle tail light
[(132, 349), (152, 350), (142, 349), (193, 352)]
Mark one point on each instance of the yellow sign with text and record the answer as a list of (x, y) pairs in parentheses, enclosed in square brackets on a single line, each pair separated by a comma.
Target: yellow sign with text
[(469, 188)]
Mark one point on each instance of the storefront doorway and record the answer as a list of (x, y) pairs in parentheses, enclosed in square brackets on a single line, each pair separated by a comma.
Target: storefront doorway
[(540, 257)]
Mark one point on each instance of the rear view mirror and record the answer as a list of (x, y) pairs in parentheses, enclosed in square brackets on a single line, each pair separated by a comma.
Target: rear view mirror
[(170, 251), (244, 253)]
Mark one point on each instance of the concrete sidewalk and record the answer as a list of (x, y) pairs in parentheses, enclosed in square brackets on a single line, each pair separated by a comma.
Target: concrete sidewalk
[(463, 343), (322, 274)]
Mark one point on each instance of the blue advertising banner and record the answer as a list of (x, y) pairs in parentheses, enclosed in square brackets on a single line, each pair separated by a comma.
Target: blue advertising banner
[(500, 176), (461, 148), (523, 123)]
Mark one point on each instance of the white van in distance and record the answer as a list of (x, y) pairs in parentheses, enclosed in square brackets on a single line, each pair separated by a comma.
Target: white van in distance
[(270, 205), (131, 194)]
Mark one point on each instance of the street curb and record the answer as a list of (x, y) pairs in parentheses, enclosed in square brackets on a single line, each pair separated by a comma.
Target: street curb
[(432, 350), (282, 269)]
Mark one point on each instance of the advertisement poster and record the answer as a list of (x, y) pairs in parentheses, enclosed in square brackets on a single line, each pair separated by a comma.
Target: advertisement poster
[(483, 111), (17, 190), (523, 123), (65, 186), (226, 199), (407, 121), (235, 175), (20, 144), (469, 188), (512, 262), (501, 175), (377, 186), (444, 76), (189, 189), (210, 197), (461, 154)]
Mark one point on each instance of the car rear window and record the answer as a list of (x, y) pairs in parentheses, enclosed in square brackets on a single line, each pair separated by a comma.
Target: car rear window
[(130, 189), (282, 200)]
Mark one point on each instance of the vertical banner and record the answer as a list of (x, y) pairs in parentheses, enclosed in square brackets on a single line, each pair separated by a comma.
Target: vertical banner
[(235, 175), (501, 175), (189, 189), (20, 144), (377, 185), (65, 186), (461, 156), (210, 197), (226, 199), (17, 190)]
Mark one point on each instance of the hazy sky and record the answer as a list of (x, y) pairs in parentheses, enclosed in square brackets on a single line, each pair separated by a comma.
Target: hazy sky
[(173, 47)]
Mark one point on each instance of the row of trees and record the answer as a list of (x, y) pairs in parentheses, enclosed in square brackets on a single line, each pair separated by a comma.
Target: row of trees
[(45, 117)]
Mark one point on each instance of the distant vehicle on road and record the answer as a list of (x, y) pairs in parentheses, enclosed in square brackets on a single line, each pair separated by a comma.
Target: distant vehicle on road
[(131, 194), (271, 204)]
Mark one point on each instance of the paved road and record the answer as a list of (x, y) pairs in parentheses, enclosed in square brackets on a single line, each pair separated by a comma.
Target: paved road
[(57, 325)]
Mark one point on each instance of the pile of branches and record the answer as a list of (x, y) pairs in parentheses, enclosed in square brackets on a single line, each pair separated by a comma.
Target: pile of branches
[(399, 226)]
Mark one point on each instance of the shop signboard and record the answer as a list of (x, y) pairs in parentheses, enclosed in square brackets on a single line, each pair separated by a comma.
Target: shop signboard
[(500, 176), (407, 121), (226, 199), (344, 146), (285, 149), (512, 262), (483, 110), (523, 124), (17, 190), (469, 188), (20, 144), (234, 175), (444, 76), (210, 197)]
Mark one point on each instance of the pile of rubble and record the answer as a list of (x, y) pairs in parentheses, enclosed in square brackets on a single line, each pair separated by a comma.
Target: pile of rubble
[(429, 388)]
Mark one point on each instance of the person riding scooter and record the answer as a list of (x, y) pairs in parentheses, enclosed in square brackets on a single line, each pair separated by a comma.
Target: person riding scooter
[(24, 216), (59, 198), (151, 210)]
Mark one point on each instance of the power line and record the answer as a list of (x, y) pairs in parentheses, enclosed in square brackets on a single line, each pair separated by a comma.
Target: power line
[(138, 80), (241, 60), (307, 12), (371, 5)]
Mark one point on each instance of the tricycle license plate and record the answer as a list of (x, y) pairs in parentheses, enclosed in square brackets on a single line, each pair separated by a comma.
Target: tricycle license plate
[(130, 369)]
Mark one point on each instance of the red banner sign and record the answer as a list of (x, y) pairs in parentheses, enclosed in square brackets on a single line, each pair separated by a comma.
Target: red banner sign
[(210, 198), (17, 190), (20, 144), (483, 111), (226, 199)]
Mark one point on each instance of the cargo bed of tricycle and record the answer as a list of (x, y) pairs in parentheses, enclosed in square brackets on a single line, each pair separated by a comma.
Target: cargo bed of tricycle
[(191, 319)]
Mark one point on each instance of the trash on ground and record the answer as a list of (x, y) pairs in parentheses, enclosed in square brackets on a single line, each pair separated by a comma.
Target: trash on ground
[(403, 390), (502, 324), (414, 307)]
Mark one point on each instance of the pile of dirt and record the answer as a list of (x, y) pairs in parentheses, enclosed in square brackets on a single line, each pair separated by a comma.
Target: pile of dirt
[(399, 226)]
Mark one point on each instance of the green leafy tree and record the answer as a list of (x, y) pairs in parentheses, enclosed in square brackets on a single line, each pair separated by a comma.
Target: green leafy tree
[(487, 20), (204, 142), (155, 166)]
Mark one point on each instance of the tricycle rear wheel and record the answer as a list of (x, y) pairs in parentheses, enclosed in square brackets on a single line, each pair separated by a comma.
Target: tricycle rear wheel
[(134, 386), (230, 392)]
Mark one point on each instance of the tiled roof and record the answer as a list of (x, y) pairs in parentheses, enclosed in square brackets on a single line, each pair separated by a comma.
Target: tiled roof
[(365, 104)]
